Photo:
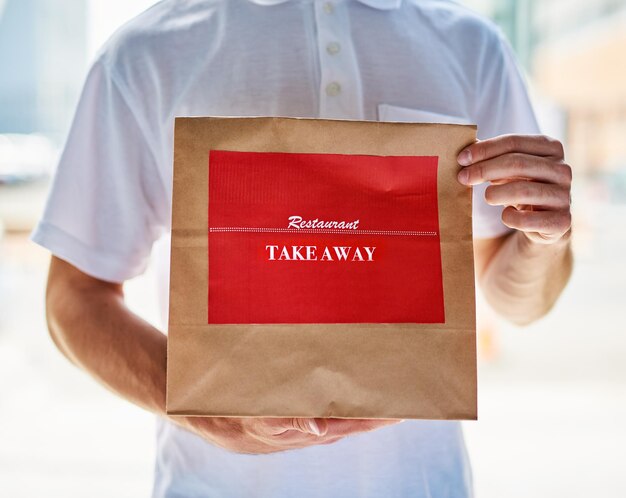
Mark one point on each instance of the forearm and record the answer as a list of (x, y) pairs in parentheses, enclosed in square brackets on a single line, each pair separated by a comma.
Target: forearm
[(524, 279), (93, 327)]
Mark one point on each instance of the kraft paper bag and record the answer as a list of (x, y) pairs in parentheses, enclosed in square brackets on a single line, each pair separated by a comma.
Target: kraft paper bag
[(321, 268)]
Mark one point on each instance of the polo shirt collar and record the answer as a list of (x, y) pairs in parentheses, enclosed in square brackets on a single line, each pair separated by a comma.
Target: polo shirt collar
[(377, 4)]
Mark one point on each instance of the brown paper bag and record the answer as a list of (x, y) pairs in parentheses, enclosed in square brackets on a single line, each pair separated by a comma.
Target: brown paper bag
[(320, 268)]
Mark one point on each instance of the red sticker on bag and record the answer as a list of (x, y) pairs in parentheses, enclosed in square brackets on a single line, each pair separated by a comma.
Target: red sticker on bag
[(323, 238)]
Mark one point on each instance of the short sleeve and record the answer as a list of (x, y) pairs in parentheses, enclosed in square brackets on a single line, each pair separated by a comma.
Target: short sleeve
[(102, 213), (502, 106)]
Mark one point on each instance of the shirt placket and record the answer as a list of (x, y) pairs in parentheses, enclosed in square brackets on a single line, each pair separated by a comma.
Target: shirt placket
[(340, 85)]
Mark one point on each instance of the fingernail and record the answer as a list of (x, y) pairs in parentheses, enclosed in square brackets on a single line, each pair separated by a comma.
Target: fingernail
[(465, 158), (463, 176), (314, 427)]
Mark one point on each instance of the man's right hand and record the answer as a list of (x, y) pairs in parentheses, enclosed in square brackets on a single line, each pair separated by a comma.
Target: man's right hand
[(270, 435), (91, 325)]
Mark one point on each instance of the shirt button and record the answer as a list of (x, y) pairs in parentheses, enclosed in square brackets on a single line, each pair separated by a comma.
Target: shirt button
[(333, 47), (333, 89), (328, 7)]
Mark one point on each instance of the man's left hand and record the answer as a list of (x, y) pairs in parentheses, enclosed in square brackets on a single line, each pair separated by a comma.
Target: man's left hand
[(529, 177)]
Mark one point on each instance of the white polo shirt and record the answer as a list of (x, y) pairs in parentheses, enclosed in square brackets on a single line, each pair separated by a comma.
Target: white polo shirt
[(421, 60)]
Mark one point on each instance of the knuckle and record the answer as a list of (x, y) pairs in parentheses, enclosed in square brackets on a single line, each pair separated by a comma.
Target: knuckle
[(478, 151), (558, 147), (566, 221), (474, 173), (555, 144), (563, 195), (566, 173), (512, 142), (519, 162), (479, 173), (523, 190)]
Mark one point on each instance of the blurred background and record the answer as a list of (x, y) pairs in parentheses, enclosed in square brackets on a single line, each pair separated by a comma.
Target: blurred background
[(552, 396)]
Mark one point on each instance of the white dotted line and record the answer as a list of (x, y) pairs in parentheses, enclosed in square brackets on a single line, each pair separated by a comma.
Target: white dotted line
[(322, 230)]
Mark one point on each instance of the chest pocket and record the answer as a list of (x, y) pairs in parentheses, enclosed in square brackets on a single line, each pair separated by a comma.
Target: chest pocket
[(388, 112)]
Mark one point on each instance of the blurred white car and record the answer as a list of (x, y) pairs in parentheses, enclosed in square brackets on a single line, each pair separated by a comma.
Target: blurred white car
[(26, 165), (26, 158)]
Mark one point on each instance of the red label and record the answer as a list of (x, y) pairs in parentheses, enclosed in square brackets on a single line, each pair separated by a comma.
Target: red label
[(323, 238)]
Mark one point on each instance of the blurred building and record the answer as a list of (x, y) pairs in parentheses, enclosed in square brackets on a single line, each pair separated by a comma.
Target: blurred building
[(576, 53), (582, 65), (574, 50), (42, 54)]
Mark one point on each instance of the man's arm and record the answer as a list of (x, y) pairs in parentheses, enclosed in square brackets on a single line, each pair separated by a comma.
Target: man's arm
[(91, 325), (522, 274), (93, 328)]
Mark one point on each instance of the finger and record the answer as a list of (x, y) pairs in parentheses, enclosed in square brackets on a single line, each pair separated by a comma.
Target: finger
[(295, 439), (345, 427), (324, 426), (276, 426), (517, 165), (537, 145), (528, 193), (548, 223)]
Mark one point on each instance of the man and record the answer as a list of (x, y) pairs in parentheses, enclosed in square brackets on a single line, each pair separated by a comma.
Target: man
[(356, 59)]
